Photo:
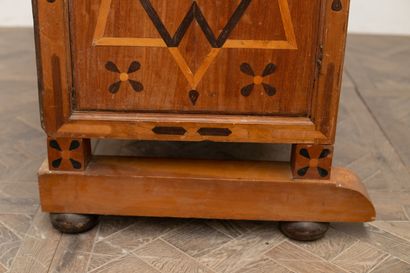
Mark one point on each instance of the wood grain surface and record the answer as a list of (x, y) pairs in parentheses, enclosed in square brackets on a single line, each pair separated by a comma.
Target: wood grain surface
[(241, 190), (373, 123), (217, 60)]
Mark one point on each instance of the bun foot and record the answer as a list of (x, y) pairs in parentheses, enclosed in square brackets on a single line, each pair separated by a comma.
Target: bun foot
[(73, 223), (304, 231)]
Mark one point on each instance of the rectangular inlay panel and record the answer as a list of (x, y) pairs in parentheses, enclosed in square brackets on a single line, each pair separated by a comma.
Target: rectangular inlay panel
[(203, 56)]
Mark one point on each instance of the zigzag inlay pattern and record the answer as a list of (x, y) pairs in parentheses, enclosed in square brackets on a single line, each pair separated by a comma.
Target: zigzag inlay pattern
[(217, 42), (195, 13)]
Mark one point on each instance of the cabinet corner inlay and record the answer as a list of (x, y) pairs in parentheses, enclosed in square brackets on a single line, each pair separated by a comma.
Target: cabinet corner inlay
[(313, 161), (62, 153)]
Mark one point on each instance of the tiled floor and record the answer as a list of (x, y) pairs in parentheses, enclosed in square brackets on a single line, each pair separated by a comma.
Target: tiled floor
[(373, 139)]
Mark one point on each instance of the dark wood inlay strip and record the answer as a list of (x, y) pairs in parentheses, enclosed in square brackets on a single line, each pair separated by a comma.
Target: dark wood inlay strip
[(163, 130), (195, 13), (214, 132)]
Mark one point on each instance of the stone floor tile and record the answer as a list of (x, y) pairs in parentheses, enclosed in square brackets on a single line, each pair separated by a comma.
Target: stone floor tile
[(18, 223), (263, 265), (127, 264), (73, 253), (332, 245), (392, 265), (378, 238), (360, 258), (113, 224), (9, 245), (143, 231), (300, 260), (196, 238), (233, 228), (38, 248), (243, 250), (401, 229), (167, 259)]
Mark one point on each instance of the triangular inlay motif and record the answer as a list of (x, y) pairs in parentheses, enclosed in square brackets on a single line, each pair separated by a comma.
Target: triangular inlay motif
[(194, 15)]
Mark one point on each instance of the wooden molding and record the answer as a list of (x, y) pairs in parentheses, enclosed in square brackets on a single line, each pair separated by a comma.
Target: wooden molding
[(242, 128), (204, 189), (56, 83), (54, 61), (325, 99)]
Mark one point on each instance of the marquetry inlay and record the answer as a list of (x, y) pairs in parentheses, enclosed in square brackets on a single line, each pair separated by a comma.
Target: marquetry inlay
[(195, 14), (124, 77)]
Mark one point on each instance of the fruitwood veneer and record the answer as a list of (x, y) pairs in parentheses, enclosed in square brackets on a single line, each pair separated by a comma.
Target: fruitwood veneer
[(227, 71), (204, 189)]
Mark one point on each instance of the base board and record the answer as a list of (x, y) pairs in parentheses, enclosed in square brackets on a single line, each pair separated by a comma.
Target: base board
[(242, 190)]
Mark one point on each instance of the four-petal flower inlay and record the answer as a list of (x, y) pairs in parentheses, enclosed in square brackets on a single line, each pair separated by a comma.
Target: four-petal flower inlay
[(312, 161), (124, 76), (258, 79), (66, 154), (56, 163)]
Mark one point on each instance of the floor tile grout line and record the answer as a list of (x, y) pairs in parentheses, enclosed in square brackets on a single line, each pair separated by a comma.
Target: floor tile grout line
[(390, 232), (183, 253), (6, 267), (373, 116), (219, 230), (9, 267), (220, 246), (149, 265), (379, 263), (54, 254), (112, 234), (291, 270), (92, 247), (321, 259), (236, 239), (28, 236), (345, 250), (133, 224), (111, 261), (373, 175), (37, 128), (12, 230), (130, 251), (405, 212), (175, 229), (375, 246), (274, 246)]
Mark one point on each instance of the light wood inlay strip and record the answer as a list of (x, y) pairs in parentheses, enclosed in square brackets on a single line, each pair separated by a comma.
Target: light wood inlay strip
[(142, 42), (182, 65), (287, 23), (259, 44), (103, 13), (194, 78), (100, 40), (205, 65)]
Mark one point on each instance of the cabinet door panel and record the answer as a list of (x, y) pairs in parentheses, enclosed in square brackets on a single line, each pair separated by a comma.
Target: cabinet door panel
[(220, 56)]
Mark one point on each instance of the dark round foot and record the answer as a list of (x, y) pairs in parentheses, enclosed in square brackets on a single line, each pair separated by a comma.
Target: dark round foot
[(304, 231), (73, 223)]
